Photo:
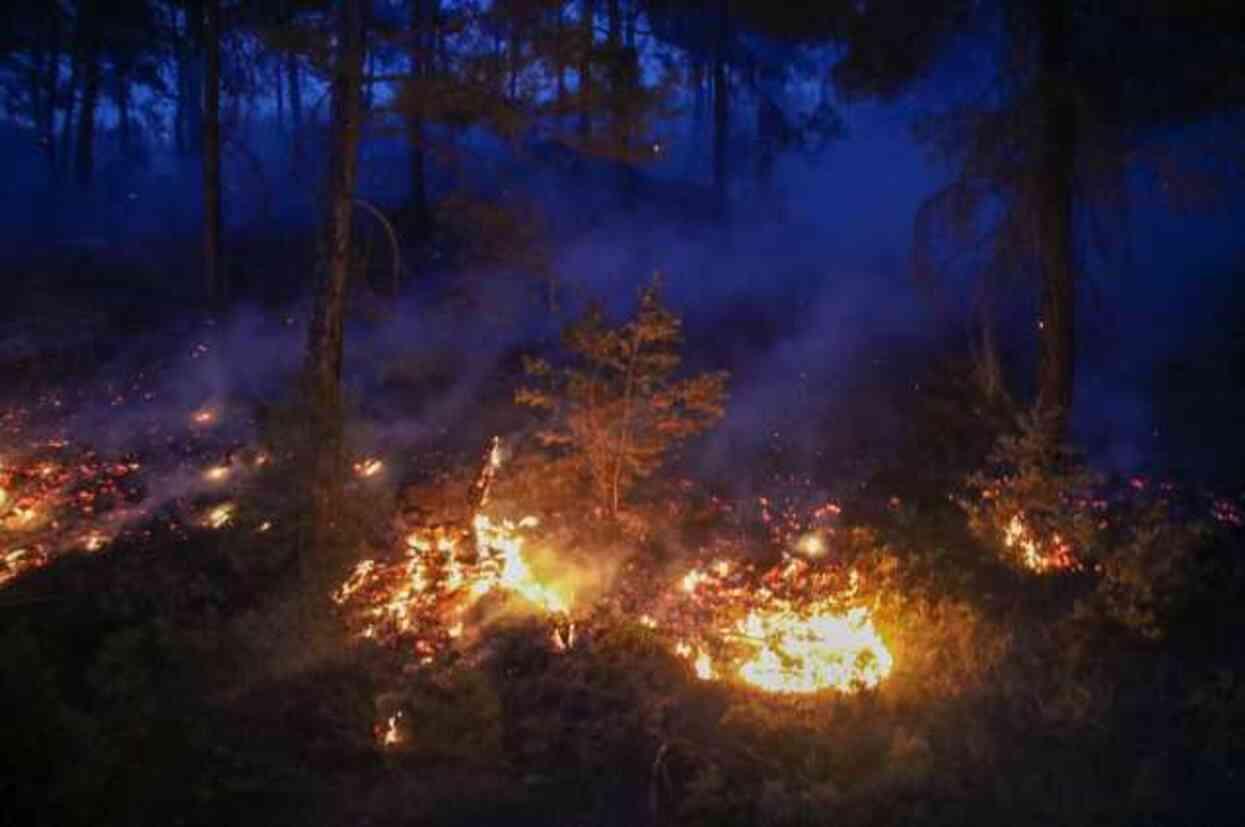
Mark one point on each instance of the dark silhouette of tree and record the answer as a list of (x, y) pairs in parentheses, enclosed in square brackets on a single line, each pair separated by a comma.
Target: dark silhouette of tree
[(324, 345), (1044, 153), (213, 276)]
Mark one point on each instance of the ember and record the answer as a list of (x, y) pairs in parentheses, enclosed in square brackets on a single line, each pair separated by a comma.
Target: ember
[(426, 596), (1054, 555), (368, 467)]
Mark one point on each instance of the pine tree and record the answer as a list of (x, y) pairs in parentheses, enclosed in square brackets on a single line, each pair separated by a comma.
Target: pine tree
[(617, 408)]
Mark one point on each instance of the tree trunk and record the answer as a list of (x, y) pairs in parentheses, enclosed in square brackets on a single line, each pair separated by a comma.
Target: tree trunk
[(125, 126), (280, 88), (420, 71), (324, 344), (213, 282), (65, 167), (613, 41), (1057, 324), (193, 107), (624, 428), (586, 35), (47, 128), (296, 102), (721, 109), (85, 154), (559, 60)]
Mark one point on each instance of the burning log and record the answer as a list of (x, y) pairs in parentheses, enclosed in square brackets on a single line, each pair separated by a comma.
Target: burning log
[(477, 497)]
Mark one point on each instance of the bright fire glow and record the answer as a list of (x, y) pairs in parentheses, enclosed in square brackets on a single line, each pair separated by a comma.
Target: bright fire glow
[(216, 473), (204, 416), (426, 596), (792, 629), (220, 516), (369, 467), (1055, 555), (825, 649)]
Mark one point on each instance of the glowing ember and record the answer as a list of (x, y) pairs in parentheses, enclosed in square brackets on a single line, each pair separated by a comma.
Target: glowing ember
[(390, 735), (220, 516), (368, 467), (216, 473), (812, 545), (204, 417), (446, 572), (1055, 555)]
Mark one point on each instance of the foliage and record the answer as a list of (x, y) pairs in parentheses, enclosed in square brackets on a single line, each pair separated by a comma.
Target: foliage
[(618, 408), (1033, 504)]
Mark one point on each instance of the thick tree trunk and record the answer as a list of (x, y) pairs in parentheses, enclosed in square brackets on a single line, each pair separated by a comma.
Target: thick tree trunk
[(1057, 362), (721, 108), (324, 345), (213, 281)]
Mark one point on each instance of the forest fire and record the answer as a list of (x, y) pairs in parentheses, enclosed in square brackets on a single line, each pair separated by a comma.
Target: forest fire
[(792, 629), (426, 597), (1041, 558)]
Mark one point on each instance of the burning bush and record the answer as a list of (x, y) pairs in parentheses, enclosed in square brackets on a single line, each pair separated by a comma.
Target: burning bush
[(617, 408), (1034, 502)]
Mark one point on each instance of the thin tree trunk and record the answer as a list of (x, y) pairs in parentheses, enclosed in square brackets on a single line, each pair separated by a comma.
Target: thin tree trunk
[(420, 71), (587, 13), (514, 57), (1057, 362), (51, 80), (296, 102), (85, 154), (324, 345), (624, 428), (721, 109), (125, 124), (613, 40), (213, 282), (194, 79), (67, 123), (559, 60), (280, 87)]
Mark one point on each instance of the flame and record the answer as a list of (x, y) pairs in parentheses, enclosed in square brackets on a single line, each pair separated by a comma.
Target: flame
[(1056, 555), (791, 629), (204, 416), (368, 467), (824, 650), (701, 663), (391, 736), (220, 515), (812, 545), (216, 473), (445, 573)]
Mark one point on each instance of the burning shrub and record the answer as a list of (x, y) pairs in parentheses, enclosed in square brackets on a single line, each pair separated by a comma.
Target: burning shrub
[(1033, 502), (618, 409)]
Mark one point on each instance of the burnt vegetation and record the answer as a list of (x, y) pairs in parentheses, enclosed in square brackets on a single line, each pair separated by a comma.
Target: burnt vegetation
[(434, 412)]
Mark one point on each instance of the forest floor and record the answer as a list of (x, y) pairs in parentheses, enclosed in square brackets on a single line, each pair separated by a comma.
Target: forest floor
[(166, 656)]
